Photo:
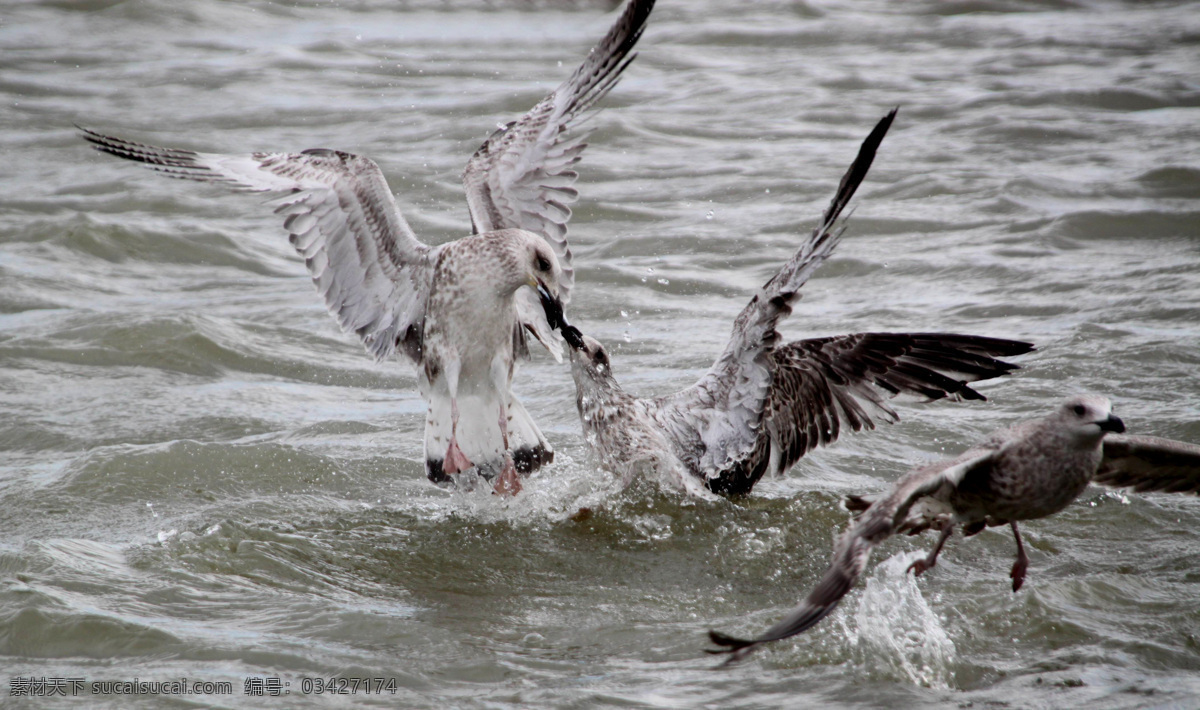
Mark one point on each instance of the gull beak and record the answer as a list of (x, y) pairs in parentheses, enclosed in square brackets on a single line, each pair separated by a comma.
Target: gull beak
[(1113, 424), (557, 319)]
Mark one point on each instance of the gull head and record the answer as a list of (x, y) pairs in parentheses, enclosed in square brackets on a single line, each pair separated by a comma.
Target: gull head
[(1088, 418), (590, 360), (538, 268), (503, 261)]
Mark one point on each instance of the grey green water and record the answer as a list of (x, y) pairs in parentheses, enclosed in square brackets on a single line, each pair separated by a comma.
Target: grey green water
[(201, 478)]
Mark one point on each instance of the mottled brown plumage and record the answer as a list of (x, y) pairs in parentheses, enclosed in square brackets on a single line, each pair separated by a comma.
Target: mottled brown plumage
[(763, 405), (1028, 471), (821, 385)]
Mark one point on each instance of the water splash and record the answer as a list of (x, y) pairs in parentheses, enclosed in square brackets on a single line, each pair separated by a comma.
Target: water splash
[(899, 635), (551, 495)]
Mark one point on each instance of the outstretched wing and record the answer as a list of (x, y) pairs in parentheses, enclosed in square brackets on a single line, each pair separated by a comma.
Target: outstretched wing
[(1149, 463), (850, 559), (522, 176), (719, 416), (853, 548), (364, 259), (823, 384)]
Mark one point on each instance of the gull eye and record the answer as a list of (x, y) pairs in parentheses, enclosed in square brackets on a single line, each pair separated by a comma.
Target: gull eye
[(1079, 410), (543, 264), (601, 357)]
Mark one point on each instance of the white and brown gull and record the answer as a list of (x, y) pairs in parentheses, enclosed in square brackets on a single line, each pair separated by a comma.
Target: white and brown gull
[(462, 311), (763, 404), (1028, 471)]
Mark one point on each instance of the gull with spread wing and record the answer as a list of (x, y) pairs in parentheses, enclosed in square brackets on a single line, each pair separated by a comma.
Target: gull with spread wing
[(460, 311), (763, 405), (1028, 471)]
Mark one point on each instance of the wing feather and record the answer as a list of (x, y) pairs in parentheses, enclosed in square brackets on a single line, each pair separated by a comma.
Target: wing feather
[(1149, 463), (522, 176), (716, 421), (853, 548), (362, 256), (820, 382)]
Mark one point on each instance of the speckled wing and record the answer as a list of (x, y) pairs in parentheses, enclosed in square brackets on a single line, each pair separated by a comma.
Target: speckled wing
[(363, 257), (824, 384), (522, 176), (1149, 463), (715, 423)]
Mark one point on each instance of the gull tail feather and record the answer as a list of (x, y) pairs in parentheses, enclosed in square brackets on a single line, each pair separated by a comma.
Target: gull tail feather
[(530, 449)]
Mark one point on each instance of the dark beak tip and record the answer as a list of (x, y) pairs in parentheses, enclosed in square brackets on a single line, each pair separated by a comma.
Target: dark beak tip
[(551, 305), (1113, 424), (553, 308), (573, 336)]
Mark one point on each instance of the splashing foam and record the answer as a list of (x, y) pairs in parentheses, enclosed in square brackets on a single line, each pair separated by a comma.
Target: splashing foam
[(550, 495), (570, 487), (899, 636)]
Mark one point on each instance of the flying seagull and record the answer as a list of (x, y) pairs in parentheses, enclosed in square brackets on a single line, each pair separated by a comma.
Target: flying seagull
[(458, 311), (763, 404), (1025, 472)]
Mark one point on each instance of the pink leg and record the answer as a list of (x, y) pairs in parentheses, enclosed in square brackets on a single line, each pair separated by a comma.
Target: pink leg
[(1018, 568), (508, 482), (456, 461), (926, 563)]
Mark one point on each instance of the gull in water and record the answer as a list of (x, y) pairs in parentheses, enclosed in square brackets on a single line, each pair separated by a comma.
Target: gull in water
[(1024, 472), (763, 404), (460, 311)]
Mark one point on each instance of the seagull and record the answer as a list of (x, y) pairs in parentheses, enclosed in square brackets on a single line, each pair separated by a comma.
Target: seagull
[(460, 312), (763, 405), (1031, 470)]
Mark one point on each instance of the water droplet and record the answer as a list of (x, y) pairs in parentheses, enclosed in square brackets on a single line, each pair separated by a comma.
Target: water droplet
[(664, 282), (627, 336), (709, 215)]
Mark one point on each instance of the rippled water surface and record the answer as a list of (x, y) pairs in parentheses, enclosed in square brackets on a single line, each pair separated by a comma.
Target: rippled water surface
[(201, 477)]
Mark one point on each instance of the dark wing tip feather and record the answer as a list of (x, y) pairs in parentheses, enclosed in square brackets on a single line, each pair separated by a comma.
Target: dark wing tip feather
[(616, 48), (982, 347), (857, 504), (732, 644), (997, 347), (858, 169), (172, 162)]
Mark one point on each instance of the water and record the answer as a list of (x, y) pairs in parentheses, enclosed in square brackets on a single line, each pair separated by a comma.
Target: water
[(202, 478)]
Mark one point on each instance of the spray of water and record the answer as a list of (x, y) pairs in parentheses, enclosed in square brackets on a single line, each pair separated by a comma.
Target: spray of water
[(898, 635)]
